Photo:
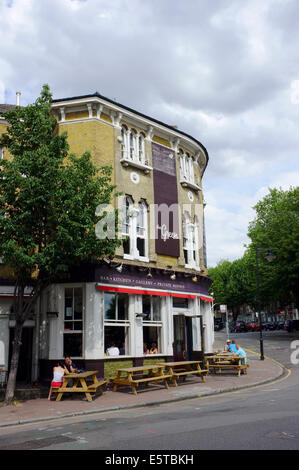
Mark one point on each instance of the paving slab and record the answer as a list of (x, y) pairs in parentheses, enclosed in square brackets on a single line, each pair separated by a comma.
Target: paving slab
[(40, 409)]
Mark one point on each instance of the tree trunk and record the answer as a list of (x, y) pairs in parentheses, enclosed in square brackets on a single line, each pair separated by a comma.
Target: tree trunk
[(11, 384)]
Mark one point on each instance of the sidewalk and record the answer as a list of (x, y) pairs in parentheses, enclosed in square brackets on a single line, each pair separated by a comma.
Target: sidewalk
[(40, 409)]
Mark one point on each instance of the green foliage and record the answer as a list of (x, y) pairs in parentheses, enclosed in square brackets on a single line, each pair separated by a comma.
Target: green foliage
[(111, 368), (275, 228), (49, 198), (48, 202), (230, 283)]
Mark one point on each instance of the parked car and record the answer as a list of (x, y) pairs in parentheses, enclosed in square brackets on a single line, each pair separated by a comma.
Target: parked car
[(279, 325), (271, 325), (287, 325), (253, 326), (239, 326), (291, 325), (268, 325)]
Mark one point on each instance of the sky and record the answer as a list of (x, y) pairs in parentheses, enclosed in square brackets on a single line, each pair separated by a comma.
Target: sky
[(224, 71)]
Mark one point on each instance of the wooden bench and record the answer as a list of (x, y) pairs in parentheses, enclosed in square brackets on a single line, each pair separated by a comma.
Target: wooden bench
[(134, 376), (220, 362), (80, 384), (184, 368)]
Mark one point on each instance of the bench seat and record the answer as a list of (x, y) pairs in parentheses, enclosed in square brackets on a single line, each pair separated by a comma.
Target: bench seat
[(238, 367)]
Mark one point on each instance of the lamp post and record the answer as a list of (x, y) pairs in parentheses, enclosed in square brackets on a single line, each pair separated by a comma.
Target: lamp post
[(269, 257)]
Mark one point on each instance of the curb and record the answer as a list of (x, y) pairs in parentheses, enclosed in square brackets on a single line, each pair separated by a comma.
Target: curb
[(153, 403)]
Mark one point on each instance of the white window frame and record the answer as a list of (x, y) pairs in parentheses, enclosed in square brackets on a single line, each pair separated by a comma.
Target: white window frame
[(155, 323), (187, 172), (131, 220), (126, 324), (73, 332), (133, 149), (191, 242)]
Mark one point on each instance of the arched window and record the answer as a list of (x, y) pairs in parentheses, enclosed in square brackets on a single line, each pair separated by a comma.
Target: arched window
[(141, 229), (186, 225), (127, 224), (186, 167), (124, 142), (141, 152), (135, 229), (133, 145), (190, 241)]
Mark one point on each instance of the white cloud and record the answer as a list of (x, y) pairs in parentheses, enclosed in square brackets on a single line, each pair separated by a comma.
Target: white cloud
[(226, 72)]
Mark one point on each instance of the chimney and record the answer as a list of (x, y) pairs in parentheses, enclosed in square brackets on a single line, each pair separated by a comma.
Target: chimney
[(18, 94)]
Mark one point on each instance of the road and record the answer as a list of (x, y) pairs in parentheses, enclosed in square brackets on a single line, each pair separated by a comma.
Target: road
[(261, 418)]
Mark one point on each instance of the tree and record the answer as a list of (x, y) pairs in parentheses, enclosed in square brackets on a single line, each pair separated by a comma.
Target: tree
[(276, 227), (48, 202), (230, 284)]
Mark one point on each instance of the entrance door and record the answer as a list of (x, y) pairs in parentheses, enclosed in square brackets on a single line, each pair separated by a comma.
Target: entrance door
[(183, 343), (25, 359), (179, 337)]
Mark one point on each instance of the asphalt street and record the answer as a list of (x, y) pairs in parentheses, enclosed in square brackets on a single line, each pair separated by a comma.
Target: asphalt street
[(262, 418)]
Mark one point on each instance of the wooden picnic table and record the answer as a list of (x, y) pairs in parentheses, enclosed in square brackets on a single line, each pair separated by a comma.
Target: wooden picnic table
[(133, 376), (225, 361), (84, 382), (184, 368)]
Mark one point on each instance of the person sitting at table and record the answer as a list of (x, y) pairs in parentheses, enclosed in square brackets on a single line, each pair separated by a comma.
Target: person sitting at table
[(113, 350), (69, 365), (58, 373), (145, 349), (70, 368), (154, 349), (231, 346), (241, 353)]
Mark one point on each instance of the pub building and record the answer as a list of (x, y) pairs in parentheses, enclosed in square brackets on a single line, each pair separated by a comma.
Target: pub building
[(155, 290)]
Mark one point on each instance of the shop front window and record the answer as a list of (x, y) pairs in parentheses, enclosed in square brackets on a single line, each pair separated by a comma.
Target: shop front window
[(152, 325), (116, 323), (73, 322)]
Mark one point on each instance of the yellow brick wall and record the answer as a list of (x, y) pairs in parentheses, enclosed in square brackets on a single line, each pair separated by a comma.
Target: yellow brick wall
[(93, 136)]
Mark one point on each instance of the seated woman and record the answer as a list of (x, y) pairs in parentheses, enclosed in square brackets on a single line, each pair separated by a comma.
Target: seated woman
[(154, 349), (145, 349), (58, 373)]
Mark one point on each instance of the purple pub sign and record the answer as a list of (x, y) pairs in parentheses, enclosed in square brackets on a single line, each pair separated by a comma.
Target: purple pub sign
[(131, 277), (166, 201)]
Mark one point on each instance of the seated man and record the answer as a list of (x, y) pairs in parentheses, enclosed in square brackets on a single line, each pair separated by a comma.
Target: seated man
[(69, 365), (69, 368), (231, 346), (241, 353)]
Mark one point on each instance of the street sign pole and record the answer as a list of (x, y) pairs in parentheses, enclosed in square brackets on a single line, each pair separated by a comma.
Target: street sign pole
[(223, 309)]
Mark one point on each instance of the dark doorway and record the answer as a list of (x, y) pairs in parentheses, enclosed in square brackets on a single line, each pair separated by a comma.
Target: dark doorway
[(179, 338), (183, 342), (189, 341), (25, 359)]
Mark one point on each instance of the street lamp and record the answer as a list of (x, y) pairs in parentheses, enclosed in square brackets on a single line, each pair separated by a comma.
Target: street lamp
[(269, 257)]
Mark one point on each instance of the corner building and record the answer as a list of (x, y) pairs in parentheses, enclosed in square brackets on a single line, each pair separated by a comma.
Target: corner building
[(155, 289)]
